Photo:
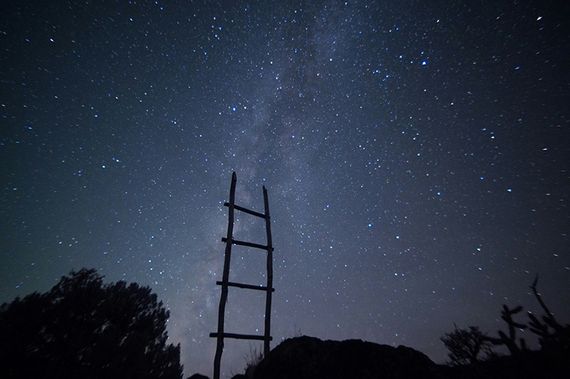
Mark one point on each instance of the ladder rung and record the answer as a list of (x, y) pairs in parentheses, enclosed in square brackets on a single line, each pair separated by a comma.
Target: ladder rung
[(247, 286), (248, 244), (241, 336), (245, 210)]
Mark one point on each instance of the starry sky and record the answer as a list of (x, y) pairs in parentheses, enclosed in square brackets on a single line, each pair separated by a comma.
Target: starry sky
[(416, 156)]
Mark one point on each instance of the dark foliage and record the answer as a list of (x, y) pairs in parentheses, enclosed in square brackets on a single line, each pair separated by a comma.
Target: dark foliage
[(198, 376), (554, 337), (83, 328), (466, 346), (252, 360), (526, 364), (551, 361), (510, 340)]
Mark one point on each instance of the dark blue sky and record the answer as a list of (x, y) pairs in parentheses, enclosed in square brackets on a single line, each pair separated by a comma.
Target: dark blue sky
[(416, 156)]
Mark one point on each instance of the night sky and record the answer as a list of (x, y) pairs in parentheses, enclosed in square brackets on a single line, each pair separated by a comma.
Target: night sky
[(416, 155)]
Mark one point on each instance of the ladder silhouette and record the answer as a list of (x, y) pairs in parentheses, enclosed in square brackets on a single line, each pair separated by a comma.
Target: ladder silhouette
[(225, 283)]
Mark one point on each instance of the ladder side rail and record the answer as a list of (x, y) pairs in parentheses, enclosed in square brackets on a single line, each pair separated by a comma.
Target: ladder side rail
[(268, 294), (225, 279)]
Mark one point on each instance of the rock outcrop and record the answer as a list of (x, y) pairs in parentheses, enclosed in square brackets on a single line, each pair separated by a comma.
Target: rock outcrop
[(311, 358)]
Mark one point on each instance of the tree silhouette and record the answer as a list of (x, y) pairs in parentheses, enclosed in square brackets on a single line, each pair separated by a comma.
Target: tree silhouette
[(465, 346), (83, 328)]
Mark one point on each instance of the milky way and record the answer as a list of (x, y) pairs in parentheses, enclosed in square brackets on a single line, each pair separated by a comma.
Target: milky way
[(416, 156)]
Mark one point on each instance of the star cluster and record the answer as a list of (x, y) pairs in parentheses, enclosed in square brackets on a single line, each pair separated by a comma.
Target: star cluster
[(416, 156)]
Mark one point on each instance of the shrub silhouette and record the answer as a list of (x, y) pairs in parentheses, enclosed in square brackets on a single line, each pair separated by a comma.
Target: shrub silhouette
[(83, 328), (554, 337), (552, 360), (465, 346), (510, 340)]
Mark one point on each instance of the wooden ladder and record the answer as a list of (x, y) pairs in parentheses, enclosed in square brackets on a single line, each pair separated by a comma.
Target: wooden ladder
[(225, 283)]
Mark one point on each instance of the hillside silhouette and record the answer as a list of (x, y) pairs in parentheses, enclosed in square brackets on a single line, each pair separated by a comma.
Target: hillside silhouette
[(308, 357), (84, 328), (471, 354)]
